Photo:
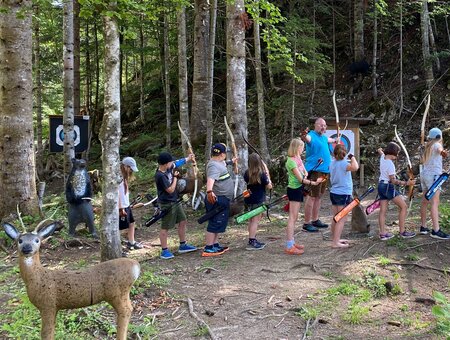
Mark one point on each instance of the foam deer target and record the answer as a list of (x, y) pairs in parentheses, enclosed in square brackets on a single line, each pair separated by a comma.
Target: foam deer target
[(52, 290)]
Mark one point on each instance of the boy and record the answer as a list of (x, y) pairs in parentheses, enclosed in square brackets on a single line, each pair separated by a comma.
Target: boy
[(166, 179), (219, 192)]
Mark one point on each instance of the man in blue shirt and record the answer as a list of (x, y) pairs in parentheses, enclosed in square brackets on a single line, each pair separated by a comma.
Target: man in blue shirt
[(316, 148)]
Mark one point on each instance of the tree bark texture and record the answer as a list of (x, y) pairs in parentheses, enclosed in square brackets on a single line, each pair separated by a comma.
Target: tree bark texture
[(209, 104), (167, 81), (183, 100), (236, 90), (17, 163), (427, 65), (110, 138), (374, 50), (260, 93), (76, 58), (200, 88), (358, 15), (68, 84)]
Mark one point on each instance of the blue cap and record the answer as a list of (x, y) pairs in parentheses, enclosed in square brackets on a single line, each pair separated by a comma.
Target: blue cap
[(435, 133), (218, 148), (131, 163)]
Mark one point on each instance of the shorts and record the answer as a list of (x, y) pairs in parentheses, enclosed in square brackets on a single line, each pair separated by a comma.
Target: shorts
[(250, 207), (174, 216), (340, 200), (295, 195), (386, 191), (125, 221), (317, 190), (219, 222), (427, 180)]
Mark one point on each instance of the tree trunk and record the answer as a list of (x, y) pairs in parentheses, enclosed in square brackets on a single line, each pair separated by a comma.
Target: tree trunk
[(183, 99), (358, 15), (434, 48), (141, 72), (269, 62), (38, 94), (260, 91), (334, 47), (313, 91), (427, 65), (447, 29), (236, 91), (17, 164), (110, 138), (374, 50), (292, 117), (97, 70), (88, 90), (200, 87), (167, 81), (209, 110), (76, 58), (68, 84), (401, 59)]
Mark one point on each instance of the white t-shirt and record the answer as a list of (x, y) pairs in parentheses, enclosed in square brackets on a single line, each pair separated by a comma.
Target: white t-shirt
[(434, 164), (387, 168), (124, 199)]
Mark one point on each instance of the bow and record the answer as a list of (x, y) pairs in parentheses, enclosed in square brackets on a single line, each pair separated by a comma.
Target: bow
[(410, 171), (194, 163), (338, 139), (422, 130), (235, 154)]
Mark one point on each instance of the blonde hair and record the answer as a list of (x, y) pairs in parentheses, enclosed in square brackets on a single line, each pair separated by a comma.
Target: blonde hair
[(127, 175), (428, 146), (296, 143)]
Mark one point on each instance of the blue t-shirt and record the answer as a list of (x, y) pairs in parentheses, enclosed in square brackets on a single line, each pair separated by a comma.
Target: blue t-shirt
[(258, 190), (340, 179), (318, 148)]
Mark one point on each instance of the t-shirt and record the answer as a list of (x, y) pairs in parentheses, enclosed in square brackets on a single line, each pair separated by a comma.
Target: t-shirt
[(318, 148), (434, 164), (258, 190), (387, 168), (223, 184), (292, 163), (164, 180), (124, 198), (340, 179)]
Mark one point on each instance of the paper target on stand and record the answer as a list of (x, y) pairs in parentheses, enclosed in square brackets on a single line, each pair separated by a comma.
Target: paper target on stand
[(347, 139), (80, 129)]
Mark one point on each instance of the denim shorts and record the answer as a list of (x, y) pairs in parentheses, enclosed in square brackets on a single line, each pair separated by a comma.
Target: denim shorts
[(340, 200), (218, 223), (295, 195), (386, 191)]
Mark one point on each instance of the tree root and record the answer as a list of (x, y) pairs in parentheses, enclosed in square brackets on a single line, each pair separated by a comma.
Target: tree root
[(199, 321)]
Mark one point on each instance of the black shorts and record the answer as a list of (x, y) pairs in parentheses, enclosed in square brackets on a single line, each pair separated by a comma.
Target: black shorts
[(340, 200), (125, 221), (295, 195)]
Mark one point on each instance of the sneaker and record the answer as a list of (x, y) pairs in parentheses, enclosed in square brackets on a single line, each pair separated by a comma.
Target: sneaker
[(407, 234), (134, 246), (310, 228), (212, 252), (319, 224), (186, 248), (293, 251), (166, 254), (424, 231), (255, 245), (439, 235), (387, 236), (221, 248)]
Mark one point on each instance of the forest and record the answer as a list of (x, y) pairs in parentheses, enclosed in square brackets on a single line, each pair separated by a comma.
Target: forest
[(149, 76)]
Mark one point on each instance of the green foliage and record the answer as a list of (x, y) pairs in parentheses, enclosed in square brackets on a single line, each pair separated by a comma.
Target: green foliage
[(148, 280), (444, 215), (355, 314), (375, 283), (201, 331), (442, 313), (384, 261), (144, 330), (308, 312)]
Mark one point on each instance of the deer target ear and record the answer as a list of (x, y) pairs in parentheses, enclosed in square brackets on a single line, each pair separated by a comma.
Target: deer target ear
[(47, 230), (11, 231)]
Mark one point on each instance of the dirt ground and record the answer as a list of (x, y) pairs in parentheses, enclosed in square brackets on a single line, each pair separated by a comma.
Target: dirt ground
[(261, 294)]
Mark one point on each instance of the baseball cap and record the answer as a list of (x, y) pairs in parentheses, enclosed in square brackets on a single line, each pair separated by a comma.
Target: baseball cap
[(131, 163), (218, 148), (435, 133), (164, 158)]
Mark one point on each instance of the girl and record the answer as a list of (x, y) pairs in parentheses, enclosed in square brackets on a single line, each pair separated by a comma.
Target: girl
[(341, 190), (432, 168), (258, 180), (126, 219), (296, 178), (387, 192)]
